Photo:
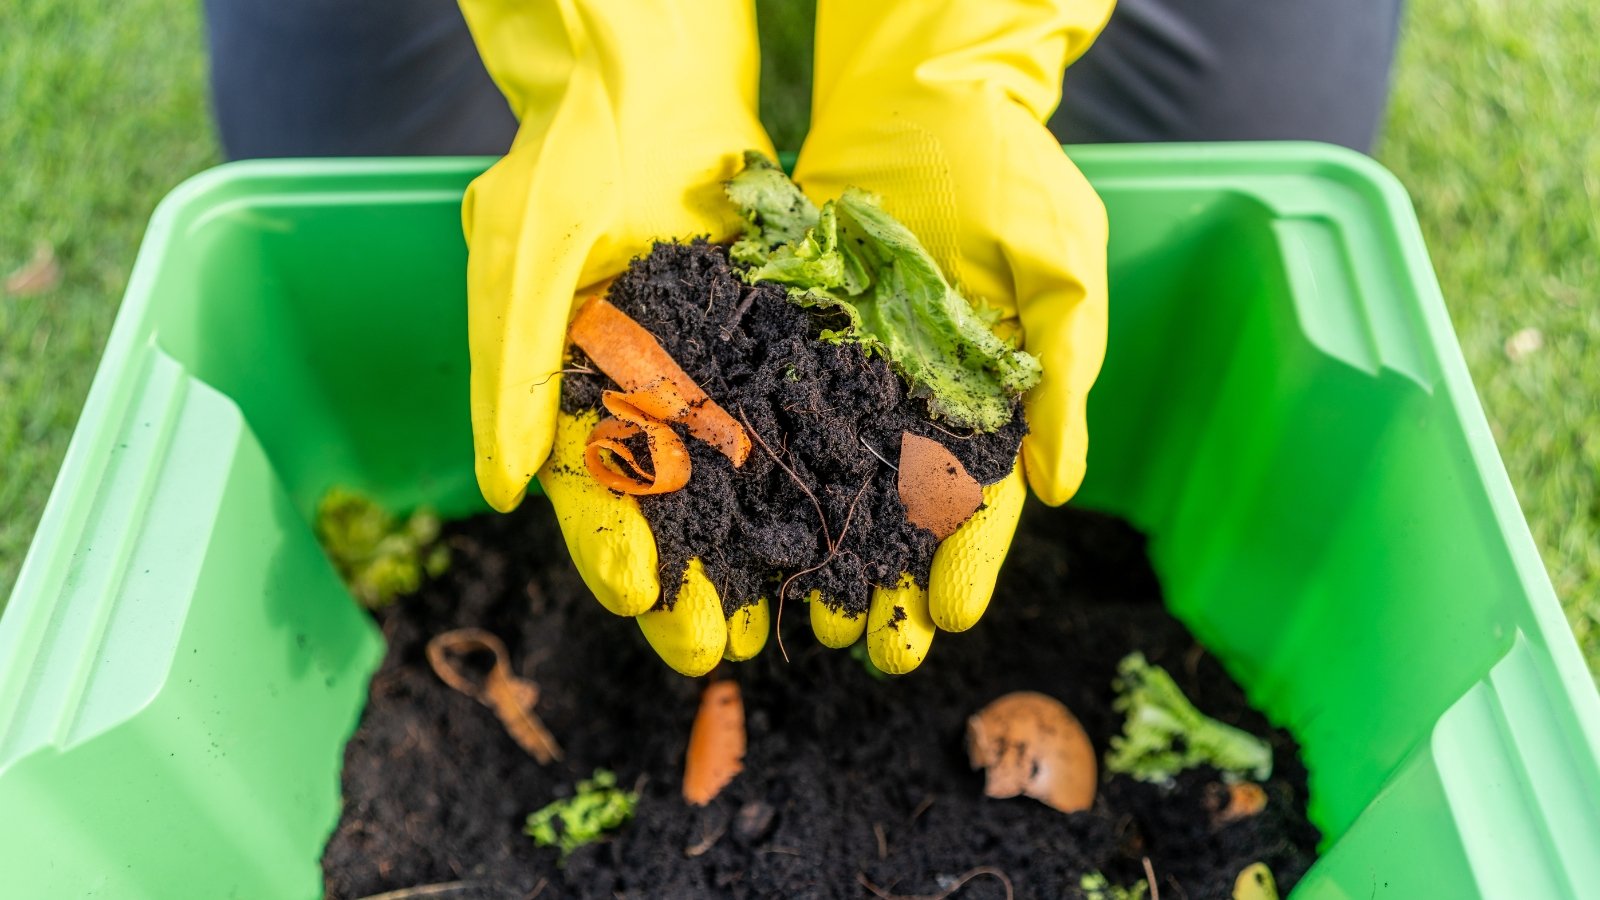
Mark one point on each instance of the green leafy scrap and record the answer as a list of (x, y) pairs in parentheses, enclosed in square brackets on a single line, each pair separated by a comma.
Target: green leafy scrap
[(1096, 886), (852, 258), (598, 807), (379, 556), (1164, 734)]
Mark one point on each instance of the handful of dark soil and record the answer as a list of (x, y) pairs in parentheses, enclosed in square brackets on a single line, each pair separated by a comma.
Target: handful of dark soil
[(816, 504)]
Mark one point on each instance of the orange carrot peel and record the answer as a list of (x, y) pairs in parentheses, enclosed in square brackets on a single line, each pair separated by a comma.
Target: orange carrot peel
[(655, 390), (669, 458)]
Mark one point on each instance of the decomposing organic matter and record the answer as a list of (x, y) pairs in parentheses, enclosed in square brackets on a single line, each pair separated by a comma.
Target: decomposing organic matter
[(1028, 743)]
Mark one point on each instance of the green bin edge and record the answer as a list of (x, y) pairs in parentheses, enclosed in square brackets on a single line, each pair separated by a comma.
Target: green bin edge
[(127, 768)]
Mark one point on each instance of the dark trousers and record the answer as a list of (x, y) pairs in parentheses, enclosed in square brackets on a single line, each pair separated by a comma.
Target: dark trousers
[(402, 77)]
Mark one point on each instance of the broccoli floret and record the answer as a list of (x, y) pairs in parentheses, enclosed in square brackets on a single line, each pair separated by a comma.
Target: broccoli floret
[(599, 806), (379, 557), (1164, 734)]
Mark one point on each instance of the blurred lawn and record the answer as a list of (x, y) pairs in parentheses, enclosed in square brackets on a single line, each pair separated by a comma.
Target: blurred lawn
[(1495, 129)]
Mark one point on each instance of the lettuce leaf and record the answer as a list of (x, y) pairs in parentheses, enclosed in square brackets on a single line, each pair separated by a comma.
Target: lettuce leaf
[(853, 258)]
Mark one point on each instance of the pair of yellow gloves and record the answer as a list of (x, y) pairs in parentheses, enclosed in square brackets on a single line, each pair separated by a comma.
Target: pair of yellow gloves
[(634, 112)]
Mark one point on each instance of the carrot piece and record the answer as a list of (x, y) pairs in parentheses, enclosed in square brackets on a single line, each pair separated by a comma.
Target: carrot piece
[(634, 359), (716, 743), (668, 457)]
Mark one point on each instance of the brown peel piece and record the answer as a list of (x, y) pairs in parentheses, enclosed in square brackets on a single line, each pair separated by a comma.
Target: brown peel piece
[(510, 696), (632, 357), (937, 492), (1028, 743), (716, 743), (1245, 799)]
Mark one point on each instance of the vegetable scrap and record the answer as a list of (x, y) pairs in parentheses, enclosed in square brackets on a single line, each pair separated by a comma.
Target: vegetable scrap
[(633, 358), (1243, 800), (938, 493), (1164, 734), (510, 696), (853, 260), (669, 459), (379, 556), (716, 743), (1029, 744), (1096, 886), (599, 806), (1255, 883)]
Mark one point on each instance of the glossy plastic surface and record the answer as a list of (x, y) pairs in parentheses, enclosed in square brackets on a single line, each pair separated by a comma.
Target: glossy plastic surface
[(1283, 408)]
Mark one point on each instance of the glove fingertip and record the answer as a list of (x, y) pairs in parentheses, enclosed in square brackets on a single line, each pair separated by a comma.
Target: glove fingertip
[(967, 564), (899, 629), (692, 636), (1054, 475), (748, 628), (834, 628)]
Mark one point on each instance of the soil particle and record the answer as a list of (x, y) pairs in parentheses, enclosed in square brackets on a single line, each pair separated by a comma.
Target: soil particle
[(829, 412), (845, 774)]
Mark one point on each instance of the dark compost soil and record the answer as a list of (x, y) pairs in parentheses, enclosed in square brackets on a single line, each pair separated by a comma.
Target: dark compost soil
[(846, 776), (825, 408)]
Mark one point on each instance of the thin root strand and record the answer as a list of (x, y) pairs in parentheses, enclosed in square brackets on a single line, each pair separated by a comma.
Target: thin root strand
[(1150, 878), (960, 882), (441, 889)]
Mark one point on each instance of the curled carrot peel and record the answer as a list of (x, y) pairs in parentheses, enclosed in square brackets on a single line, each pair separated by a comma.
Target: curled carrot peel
[(669, 458), (716, 743), (510, 696), (634, 359)]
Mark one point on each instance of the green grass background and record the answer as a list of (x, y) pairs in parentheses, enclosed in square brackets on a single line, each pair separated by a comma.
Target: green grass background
[(1494, 128)]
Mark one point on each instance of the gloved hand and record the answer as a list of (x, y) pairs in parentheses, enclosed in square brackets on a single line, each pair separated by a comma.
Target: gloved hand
[(633, 113), (939, 108)]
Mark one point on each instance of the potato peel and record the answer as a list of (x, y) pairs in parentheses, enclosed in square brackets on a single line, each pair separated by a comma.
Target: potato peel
[(1029, 744)]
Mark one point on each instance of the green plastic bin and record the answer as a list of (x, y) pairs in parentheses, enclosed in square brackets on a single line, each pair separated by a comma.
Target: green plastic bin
[(1284, 409)]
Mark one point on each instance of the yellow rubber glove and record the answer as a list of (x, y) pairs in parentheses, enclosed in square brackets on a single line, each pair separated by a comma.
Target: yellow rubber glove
[(633, 113), (939, 108), (613, 549)]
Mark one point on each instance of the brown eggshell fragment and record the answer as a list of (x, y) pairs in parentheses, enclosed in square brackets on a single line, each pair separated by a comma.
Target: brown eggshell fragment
[(934, 486), (1030, 744)]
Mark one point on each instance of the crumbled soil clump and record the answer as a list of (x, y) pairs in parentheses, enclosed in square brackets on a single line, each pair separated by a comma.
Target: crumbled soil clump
[(847, 775), (831, 412)]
